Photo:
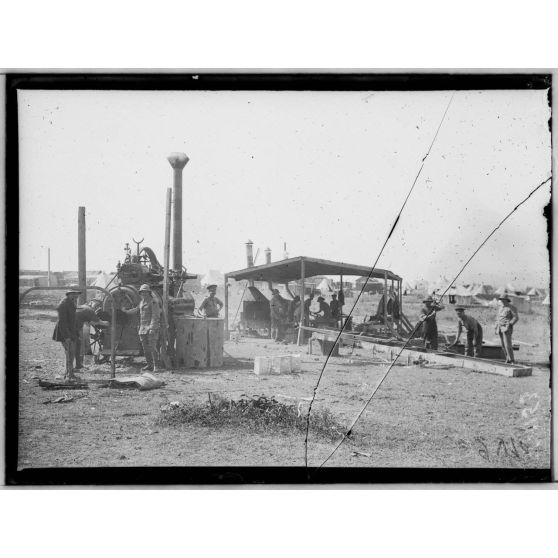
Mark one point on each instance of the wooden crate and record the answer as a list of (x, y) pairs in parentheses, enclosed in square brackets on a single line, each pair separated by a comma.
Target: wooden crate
[(199, 342)]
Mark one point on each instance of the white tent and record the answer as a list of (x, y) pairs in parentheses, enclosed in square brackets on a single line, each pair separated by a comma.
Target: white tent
[(326, 286), (213, 277), (482, 291), (546, 301)]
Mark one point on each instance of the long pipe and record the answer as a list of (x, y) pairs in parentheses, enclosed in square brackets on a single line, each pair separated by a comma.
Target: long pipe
[(81, 254), (166, 272), (178, 162), (113, 319)]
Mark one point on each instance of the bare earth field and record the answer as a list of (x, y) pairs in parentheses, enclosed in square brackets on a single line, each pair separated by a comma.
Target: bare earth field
[(420, 417)]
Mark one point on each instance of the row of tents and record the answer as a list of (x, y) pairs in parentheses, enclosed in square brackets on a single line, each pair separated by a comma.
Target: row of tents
[(479, 294)]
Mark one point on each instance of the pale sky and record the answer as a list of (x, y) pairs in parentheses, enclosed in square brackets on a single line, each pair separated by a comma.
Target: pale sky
[(325, 172)]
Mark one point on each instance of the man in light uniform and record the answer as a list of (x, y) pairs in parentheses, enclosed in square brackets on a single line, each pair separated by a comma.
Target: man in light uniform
[(473, 345), (150, 323), (507, 318), (211, 305)]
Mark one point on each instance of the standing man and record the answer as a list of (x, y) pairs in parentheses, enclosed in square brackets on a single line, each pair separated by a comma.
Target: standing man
[(334, 306), (323, 315), (294, 310), (428, 321), (507, 318), (473, 346), (85, 314), (150, 322), (277, 312), (211, 305), (65, 329)]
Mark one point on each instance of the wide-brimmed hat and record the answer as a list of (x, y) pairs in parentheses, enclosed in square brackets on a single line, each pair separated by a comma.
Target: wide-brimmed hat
[(460, 309), (145, 288), (428, 299), (275, 291), (504, 297), (211, 287), (320, 298), (73, 290)]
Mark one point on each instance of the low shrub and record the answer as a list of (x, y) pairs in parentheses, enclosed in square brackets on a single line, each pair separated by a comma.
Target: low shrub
[(258, 413)]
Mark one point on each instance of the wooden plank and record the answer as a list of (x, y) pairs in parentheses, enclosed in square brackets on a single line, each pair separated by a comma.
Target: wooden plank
[(452, 359)]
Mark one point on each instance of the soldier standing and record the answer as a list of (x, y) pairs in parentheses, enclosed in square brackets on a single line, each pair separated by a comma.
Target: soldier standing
[(211, 305), (65, 329), (507, 318), (277, 312), (150, 322), (428, 321)]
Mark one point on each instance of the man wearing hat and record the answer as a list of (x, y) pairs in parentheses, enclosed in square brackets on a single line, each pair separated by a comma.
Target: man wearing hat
[(211, 305), (428, 321), (65, 329), (323, 315), (278, 315), (507, 318), (149, 325), (473, 346)]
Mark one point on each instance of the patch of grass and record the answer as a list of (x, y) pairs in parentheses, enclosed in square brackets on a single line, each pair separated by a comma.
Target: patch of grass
[(258, 413)]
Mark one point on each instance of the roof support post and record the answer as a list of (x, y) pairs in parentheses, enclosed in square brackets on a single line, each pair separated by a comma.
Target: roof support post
[(385, 298), (227, 335), (302, 317)]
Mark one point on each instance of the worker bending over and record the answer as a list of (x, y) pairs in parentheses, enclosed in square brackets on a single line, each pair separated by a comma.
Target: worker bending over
[(85, 314), (473, 345)]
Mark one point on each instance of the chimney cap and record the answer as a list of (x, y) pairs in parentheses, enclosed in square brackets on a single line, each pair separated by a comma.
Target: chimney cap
[(178, 160)]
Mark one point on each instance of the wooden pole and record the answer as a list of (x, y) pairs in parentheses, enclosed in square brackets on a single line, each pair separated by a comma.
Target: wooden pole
[(164, 346), (302, 271), (338, 297), (81, 255), (227, 308), (48, 272), (385, 298)]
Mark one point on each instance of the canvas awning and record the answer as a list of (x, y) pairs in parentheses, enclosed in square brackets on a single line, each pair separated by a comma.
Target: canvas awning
[(284, 271)]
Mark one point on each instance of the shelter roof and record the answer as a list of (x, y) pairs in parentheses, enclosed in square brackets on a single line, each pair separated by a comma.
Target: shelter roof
[(290, 270)]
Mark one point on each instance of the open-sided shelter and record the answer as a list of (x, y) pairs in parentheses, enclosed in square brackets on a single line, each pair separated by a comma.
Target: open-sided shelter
[(301, 268)]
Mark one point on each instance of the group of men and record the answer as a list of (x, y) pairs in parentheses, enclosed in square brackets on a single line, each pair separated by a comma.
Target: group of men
[(283, 312), (69, 329), (507, 317)]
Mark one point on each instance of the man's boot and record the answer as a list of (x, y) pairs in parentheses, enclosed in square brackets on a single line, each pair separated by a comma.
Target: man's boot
[(149, 361), (156, 368)]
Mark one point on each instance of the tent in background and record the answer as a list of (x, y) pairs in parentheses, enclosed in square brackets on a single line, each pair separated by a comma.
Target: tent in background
[(213, 277), (326, 286), (546, 301)]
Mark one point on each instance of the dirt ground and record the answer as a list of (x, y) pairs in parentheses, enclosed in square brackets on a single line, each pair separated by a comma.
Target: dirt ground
[(420, 417)]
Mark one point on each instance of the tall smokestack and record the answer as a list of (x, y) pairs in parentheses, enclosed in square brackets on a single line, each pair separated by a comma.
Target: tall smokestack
[(268, 255), (178, 162), (249, 254)]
